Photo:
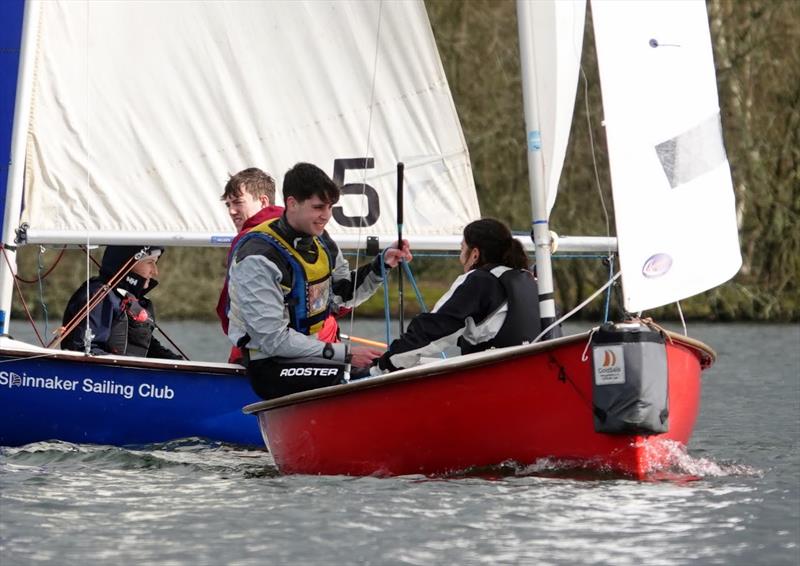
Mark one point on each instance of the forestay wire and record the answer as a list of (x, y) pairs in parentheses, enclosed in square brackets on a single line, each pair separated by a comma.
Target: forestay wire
[(406, 267), (88, 335), (40, 278), (610, 255), (366, 154)]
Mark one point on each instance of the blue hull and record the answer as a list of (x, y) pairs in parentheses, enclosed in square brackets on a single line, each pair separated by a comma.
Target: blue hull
[(120, 402), (100, 400)]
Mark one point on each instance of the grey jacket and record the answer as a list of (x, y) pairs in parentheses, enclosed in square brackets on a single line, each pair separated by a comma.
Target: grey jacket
[(259, 279)]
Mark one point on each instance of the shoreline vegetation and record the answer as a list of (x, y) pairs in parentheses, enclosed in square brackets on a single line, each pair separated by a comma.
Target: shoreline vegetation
[(759, 88), (190, 280)]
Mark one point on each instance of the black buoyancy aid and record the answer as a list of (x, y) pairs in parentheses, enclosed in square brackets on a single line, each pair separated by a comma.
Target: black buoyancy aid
[(308, 299), (132, 331), (522, 323)]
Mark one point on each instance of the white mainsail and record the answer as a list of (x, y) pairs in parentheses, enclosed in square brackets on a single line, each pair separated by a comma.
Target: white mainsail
[(141, 109), (673, 196), (552, 64)]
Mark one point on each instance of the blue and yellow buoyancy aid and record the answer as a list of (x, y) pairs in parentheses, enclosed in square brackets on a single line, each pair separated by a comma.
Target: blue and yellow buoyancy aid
[(309, 297)]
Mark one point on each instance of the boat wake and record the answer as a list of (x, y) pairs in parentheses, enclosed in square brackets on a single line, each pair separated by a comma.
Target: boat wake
[(201, 456), (670, 462), (681, 463), (190, 455)]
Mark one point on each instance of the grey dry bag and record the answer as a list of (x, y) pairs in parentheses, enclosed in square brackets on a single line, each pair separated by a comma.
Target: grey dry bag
[(630, 382)]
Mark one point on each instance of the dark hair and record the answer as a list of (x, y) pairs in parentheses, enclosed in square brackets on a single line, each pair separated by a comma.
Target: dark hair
[(305, 180), (254, 180), (495, 243)]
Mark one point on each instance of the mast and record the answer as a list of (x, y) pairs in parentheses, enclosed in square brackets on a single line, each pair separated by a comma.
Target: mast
[(16, 172), (540, 227)]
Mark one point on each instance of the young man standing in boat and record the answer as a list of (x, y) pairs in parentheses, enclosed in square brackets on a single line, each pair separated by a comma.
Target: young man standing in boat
[(286, 275), (249, 196)]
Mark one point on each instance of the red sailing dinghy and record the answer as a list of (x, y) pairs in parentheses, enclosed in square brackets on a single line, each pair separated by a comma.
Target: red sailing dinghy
[(517, 404), (623, 397)]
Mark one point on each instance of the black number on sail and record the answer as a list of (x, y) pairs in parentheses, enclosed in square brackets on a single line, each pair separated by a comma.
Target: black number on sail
[(359, 189)]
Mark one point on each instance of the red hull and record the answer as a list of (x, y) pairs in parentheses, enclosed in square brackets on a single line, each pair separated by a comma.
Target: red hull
[(519, 405)]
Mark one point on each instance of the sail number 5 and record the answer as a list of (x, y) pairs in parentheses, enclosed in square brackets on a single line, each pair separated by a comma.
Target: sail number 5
[(357, 189)]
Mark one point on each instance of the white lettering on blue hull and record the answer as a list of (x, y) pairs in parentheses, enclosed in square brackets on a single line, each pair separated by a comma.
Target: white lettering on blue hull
[(145, 390)]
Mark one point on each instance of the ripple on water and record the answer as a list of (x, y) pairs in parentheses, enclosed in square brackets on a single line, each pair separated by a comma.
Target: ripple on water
[(192, 455)]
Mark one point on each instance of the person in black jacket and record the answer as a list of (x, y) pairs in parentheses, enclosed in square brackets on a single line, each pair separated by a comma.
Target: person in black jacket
[(123, 322), (494, 304)]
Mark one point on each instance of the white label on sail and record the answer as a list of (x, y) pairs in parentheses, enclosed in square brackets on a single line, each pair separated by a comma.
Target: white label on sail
[(673, 195), (141, 110)]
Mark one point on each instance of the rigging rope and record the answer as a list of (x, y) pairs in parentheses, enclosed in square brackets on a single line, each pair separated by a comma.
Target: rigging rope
[(70, 326), (576, 309), (610, 287), (174, 345), (39, 267), (366, 152), (46, 273), (39, 279), (385, 278), (91, 303), (683, 321), (599, 187), (594, 155), (105, 292), (21, 297)]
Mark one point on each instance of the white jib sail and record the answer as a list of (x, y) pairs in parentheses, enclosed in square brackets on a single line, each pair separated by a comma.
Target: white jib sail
[(142, 109), (673, 195)]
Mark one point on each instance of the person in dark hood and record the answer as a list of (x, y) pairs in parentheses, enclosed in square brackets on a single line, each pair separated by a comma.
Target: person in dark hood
[(123, 322)]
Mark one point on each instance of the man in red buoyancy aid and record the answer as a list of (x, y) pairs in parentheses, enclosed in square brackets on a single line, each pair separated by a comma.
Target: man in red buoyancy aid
[(249, 196), (286, 276), (124, 320)]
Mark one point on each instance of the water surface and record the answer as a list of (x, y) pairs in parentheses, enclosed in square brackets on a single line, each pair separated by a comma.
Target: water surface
[(734, 498)]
